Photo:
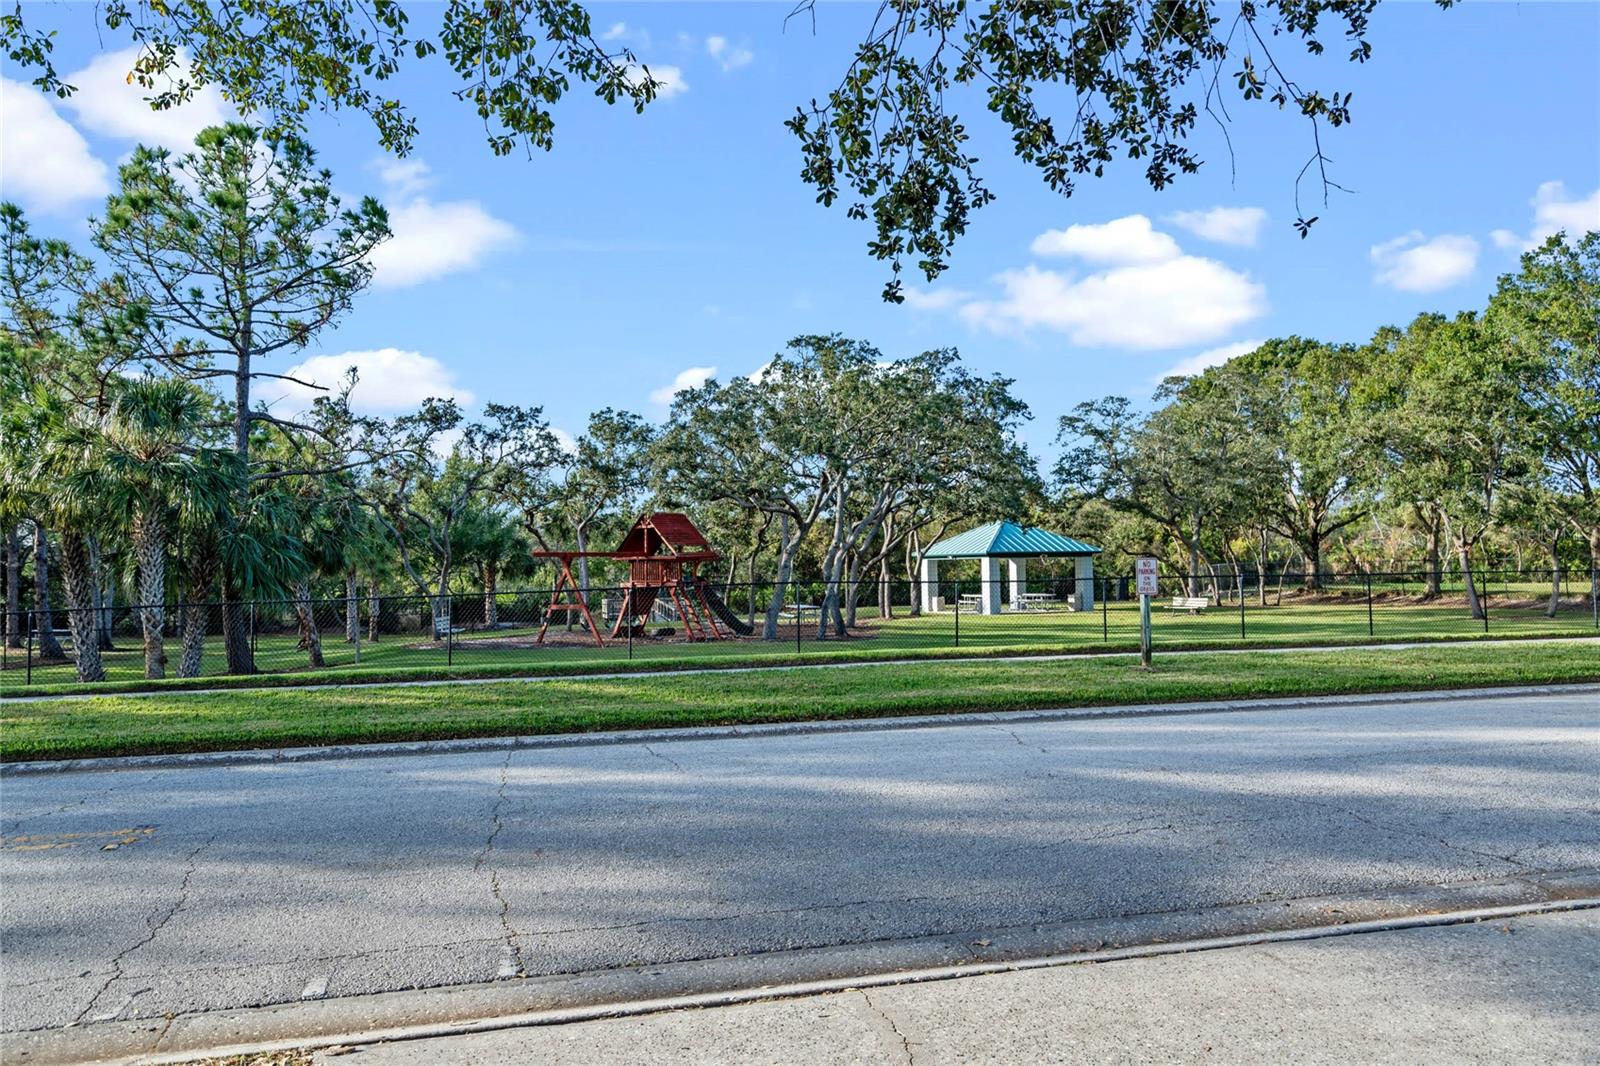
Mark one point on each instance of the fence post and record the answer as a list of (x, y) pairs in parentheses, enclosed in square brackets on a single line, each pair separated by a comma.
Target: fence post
[(1369, 602), (1483, 597), (252, 629), (32, 621), (358, 625), (627, 605), (958, 614), (1241, 608), (794, 586), (1594, 595), (450, 634)]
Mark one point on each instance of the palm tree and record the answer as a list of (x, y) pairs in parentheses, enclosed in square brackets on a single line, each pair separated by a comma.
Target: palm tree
[(64, 480), (151, 436)]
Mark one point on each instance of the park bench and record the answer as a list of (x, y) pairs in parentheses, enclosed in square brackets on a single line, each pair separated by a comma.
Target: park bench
[(1192, 604)]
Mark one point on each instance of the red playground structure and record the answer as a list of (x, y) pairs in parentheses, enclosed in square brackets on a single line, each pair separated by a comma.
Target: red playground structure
[(664, 552)]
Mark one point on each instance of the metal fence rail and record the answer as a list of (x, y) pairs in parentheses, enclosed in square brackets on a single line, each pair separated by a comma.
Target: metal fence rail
[(404, 634)]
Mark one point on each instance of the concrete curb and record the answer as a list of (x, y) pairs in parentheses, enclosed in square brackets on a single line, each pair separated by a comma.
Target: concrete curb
[(951, 719), (623, 675), (567, 998)]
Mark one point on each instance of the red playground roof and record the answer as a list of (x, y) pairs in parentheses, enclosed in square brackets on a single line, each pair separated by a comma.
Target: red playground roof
[(664, 533)]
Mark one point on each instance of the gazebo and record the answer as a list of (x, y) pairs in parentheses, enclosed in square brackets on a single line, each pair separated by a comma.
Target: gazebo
[(1015, 544)]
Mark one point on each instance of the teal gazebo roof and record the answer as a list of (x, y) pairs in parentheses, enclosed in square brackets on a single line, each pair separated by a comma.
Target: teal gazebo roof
[(1007, 538)]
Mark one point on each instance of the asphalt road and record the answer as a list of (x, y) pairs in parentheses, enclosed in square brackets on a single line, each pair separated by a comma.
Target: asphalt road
[(1525, 990), (137, 894)]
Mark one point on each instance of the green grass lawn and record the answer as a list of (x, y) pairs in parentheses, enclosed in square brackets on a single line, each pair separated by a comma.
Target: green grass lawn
[(1115, 627), (175, 722)]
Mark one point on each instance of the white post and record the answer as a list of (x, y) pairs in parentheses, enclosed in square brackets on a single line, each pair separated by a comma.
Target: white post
[(1019, 582), (932, 602), (1083, 569), (989, 603)]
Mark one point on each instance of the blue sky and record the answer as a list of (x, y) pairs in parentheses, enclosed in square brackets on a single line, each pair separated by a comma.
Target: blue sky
[(645, 249)]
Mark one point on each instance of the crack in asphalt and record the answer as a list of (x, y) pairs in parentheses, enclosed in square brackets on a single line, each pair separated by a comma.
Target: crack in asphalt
[(1401, 831), (905, 1044), (1012, 733), (1110, 834), (665, 758), (83, 800), (153, 928), (508, 935)]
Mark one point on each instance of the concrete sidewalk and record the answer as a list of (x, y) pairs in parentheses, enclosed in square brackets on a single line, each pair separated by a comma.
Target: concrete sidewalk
[(1524, 990)]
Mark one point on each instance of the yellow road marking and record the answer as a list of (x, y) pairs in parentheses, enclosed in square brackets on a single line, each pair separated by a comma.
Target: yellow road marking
[(107, 839)]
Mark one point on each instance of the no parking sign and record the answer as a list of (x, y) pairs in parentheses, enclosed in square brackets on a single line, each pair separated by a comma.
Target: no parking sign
[(1145, 572)]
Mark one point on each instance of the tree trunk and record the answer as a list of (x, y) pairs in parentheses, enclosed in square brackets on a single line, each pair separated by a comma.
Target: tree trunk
[(491, 601), (1313, 556), (150, 549), (13, 589), (750, 598), (77, 576), (788, 547), (1435, 574), (352, 608), (1594, 565), (852, 589), (914, 574), (885, 591), (43, 616), (236, 617), (1464, 555), (1194, 567), (374, 610), (196, 611), (97, 593), (108, 610), (305, 614), (1555, 579), (1261, 571), (441, 609)]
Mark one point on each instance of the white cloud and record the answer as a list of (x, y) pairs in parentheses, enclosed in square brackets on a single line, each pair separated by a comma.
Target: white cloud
[(1414, 263), (107, 103), (728, 56), (692, 378), (1187, 300), (1122, 240), (1225, 225), (44, 163), (432, 239), (566, 441), (934, 299), (669, 79), (403, 177), (1553, 212), (389, 381), (1209, 358), (1148, 293), (617, 31)]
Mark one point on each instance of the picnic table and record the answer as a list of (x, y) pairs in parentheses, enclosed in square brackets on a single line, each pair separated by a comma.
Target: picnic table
[(1030, 601)]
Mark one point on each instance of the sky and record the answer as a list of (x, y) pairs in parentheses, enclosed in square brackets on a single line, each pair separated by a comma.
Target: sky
[(647, 252)]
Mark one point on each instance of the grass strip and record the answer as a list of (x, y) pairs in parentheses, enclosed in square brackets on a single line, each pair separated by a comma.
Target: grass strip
[(266, 718), (812, 656)]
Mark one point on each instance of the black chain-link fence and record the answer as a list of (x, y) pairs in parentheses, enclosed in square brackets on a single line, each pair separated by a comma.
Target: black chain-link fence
[(718, 623)]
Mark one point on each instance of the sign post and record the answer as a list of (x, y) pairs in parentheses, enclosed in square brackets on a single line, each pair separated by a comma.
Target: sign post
[(1146, 571)]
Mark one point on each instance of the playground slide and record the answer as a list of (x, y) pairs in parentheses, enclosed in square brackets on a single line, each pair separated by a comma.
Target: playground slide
[(723, 612)]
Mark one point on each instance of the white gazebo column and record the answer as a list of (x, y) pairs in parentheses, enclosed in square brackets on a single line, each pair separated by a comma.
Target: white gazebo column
[(932, 602), (1083, 569), (989, 594), (1019, 581)]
